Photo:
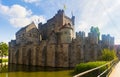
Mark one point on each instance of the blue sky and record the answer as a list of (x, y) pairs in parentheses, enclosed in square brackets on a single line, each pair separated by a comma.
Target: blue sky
[(15, 14)]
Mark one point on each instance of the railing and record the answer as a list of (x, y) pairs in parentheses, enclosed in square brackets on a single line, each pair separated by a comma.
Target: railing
[(110, 70), (111, 63)]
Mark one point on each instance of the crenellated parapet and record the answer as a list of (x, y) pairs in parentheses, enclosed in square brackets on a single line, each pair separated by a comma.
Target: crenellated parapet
[(107, 41), (93, 37), (80, 34)]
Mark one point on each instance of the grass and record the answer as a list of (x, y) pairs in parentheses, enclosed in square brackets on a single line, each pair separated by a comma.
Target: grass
[(87, 66), (3, 60)]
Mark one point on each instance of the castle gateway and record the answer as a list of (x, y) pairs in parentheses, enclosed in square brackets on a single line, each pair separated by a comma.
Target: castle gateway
[(55, 44)]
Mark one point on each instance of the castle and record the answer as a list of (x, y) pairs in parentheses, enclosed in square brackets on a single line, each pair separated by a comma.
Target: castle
[(56, 44)]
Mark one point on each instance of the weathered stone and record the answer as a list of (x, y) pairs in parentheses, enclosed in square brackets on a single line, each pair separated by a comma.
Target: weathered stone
[(50, 55), (55, 44)]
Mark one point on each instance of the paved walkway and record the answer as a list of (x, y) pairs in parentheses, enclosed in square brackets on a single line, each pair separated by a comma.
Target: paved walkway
[(116, 71)]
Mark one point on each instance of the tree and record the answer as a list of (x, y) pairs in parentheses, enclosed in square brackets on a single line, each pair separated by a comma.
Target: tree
[(3, 49), (108, 55), (95, 29)]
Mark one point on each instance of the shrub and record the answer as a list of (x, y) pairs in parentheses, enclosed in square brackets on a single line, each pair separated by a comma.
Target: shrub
[(4, 60), (86, 66), (108, 55)]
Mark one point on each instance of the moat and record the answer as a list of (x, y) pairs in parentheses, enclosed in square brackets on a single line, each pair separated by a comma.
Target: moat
[(14, 70)]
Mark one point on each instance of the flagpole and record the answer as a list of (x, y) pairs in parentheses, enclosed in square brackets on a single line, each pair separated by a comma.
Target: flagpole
[(64, 7)]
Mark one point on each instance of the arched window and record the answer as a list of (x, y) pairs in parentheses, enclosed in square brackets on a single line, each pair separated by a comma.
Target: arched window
[(69, 24)]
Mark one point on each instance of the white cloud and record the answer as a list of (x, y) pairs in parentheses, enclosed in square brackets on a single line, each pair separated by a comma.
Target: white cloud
[(31, 1), (19, 22), (83, 26), (36, 2), (19, 11), (19, 16), (93, 15), (38, 18)]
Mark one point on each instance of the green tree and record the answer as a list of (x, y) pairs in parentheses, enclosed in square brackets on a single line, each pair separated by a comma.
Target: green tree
[(108, 55), (95, 29), (3, 49)]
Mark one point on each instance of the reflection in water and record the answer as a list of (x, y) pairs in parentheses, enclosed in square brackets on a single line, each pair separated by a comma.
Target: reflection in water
[(13, 70)]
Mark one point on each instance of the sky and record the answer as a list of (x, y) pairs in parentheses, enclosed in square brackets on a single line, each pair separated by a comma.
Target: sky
[(104, 14)]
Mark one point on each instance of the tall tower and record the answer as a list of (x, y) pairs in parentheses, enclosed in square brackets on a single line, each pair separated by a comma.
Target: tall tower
[(73, 19), (67, 27), (67, 33)]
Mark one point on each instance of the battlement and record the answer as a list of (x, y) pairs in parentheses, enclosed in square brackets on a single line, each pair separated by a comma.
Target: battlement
[(60, 12), (108, 40), (80, 34), (12, 43)]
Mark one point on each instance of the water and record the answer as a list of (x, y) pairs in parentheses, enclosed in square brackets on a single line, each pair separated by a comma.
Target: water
[(13, 70)]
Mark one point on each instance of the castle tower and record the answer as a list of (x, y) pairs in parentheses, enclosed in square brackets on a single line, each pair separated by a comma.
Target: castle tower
[(67, 28), (67, 33), (73, 19)]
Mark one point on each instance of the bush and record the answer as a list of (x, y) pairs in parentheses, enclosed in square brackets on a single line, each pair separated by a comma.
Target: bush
[(4, 60), (87, 66), (108, 55)]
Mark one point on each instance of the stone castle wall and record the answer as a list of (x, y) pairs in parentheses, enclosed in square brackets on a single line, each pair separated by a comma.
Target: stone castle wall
[(42, 55), (54, 44)]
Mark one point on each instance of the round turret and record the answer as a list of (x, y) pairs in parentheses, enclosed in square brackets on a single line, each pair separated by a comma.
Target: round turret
[(66, 33)]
